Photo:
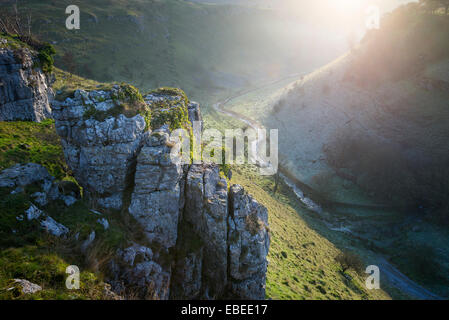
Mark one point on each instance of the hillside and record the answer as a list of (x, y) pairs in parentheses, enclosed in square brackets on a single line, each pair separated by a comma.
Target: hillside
[(296, 253), (302, 262), (200, 47), (368, 133), (364, 136)]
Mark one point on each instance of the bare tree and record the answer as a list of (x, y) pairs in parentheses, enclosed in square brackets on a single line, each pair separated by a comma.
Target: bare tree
[(276, 182), (69, 62), (433, 6), (14, 23)]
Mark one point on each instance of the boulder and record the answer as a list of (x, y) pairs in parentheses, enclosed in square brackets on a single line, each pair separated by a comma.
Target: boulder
[(206, 211), (26, 287), (22, 175)]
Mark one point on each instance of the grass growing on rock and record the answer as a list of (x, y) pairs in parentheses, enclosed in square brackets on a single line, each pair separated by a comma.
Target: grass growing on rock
[(172, 111), (45, 51), (23, 142), (66, 83)]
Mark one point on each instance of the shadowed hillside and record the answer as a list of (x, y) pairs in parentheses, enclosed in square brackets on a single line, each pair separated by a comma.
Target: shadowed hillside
[(199, 47), (369, 134)]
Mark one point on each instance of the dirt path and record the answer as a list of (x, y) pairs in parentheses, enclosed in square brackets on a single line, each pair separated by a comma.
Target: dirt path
[(393, 276)]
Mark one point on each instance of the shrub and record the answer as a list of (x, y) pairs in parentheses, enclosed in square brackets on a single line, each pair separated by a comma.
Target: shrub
[(253, 224), (420, 261), (46, 58), (348, 260)]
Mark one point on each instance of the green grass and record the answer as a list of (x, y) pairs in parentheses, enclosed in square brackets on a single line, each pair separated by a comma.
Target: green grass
[(43, 266), (23, 142), (66, 83), (301, 261), (26, 252), (13, 43)]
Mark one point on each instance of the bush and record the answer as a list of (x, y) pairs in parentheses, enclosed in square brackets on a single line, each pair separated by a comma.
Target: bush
[(420, 261), (46, 58), (348, 260)]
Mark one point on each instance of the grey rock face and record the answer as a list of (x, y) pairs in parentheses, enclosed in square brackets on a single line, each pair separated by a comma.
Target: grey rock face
[(135, 267), (53, 227), (22, 175), (157, 193), (100, 153), (186, 280), (248, 245), (223, 241), (27, 287), (205, 211), (25, 92), (104, 222), (47, 223), (33, 212), (195, 114), (86, 243)]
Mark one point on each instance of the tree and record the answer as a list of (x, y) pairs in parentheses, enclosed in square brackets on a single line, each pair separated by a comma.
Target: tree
[(433, 5), (69, 62), (276, 182), (348, 261), (11, 22), (445, 4)]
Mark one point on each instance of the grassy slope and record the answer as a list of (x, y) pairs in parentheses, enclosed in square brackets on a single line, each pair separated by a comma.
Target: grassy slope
[(167, 48), (23, 142), (28, 253), (421, 255), (301, 261), (195, 46)]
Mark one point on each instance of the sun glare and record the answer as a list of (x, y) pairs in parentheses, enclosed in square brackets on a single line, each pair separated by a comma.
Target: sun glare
[(347, 4)]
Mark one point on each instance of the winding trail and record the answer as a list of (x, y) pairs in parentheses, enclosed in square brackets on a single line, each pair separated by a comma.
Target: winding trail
[(387, 271)]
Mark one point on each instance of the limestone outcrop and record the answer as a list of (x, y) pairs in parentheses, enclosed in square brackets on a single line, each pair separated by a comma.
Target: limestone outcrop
[(100, 153), (25, 92), (201, 240), (248, 245)]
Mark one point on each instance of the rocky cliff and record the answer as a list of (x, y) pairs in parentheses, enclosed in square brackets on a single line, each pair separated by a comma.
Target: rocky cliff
[(202, 239), (25, 93)]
